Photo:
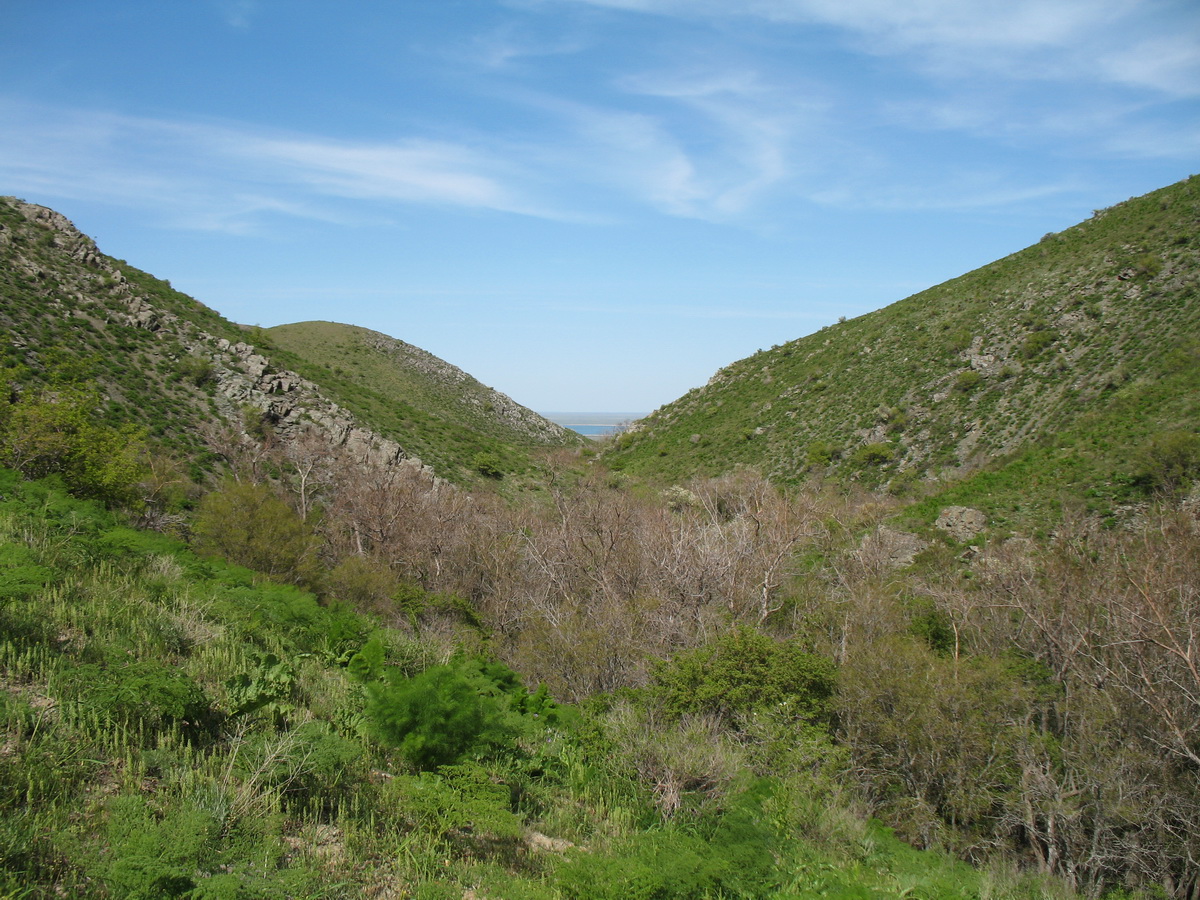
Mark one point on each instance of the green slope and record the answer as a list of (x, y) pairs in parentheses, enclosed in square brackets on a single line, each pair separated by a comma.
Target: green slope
[(168, 363), (433, 409), (66, 312), (175, 727), (1082, 346)]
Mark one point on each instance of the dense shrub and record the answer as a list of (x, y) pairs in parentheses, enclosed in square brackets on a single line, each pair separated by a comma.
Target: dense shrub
[(967, 382), (733, 855), (196, 370), (433, 718), (1169, 462), (488, 465), (1035, 343), (249, 525), (58, 431), (745, 670), (876, 454), (20, 574)]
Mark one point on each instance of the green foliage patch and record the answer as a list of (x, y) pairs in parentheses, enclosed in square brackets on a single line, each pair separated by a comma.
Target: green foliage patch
[(434, 718), (745, 671)]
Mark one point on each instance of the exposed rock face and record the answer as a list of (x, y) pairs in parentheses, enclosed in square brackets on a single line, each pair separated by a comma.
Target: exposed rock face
[(242, 376), (290, 403), (897, 549), (961, 522)]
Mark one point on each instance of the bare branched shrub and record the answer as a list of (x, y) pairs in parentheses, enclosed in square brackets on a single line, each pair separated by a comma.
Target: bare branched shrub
[(1103, 628), (689, 758)]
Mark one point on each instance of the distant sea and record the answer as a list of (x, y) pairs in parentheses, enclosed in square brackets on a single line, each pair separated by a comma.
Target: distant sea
[(594, 424)]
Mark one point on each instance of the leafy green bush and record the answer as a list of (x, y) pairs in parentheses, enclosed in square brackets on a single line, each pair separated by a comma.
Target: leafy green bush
[(966, 382), (1168, 462), (364, 582), (460, 798), (745, 670), (20, 574), (269, 687), (366, 665), (488, 465), (1035, 343), (1149, 265), (196, 370), (58, 431), (877, 454), (433, 718), (819, 454), (249, 525)]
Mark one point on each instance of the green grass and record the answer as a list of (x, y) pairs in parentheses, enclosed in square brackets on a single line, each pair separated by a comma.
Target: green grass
[(1082, 340), (437, 412), (171, 726)]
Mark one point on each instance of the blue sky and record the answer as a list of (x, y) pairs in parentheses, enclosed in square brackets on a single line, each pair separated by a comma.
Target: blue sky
[(587, 204)]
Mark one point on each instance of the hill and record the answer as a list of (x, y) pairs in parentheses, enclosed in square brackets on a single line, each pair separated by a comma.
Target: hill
[(190, 378), (435, 409), (732, 680), (1059, 362)]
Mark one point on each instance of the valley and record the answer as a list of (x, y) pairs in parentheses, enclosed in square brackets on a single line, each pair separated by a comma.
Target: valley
[(906, 607)]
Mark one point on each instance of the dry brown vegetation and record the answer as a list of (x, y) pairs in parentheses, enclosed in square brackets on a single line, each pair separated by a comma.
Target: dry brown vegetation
[(1037, 702)]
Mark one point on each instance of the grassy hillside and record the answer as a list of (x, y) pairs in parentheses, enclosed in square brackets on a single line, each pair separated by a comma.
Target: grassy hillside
[(172, 726), (65, 311), (720, 684), (178, 369), (1055, 364), (437, 411)]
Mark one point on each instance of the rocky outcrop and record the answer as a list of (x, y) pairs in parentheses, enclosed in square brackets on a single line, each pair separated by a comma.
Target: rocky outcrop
[(961, 522), (242, 377), (290, 404), (893, 549)]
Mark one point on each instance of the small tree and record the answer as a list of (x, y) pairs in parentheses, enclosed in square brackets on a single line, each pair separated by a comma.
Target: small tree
[(57, 431), (488, 465), (250, 526), (434, 718)]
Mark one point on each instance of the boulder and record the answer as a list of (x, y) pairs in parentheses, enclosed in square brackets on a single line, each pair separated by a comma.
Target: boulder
[(961, 522)]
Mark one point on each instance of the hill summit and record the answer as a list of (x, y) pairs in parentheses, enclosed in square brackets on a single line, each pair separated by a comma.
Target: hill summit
[(443, 412)]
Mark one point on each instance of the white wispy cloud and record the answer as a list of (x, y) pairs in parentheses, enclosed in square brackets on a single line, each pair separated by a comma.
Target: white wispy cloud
[(225, 175), (711, 143), (1152, 45), (958, 191), (748, 126), (1087, 127), (610, 159), (1169, 63), (1083, 79), (411, 170), (508, 46)]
